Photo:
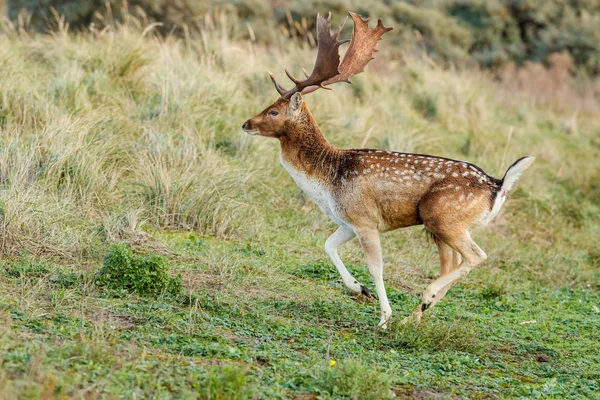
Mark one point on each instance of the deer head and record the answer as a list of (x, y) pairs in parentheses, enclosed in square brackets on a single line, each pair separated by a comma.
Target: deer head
[(289, 110)]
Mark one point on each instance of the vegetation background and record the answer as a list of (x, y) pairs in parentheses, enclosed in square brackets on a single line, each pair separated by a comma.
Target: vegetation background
[(151, 249)]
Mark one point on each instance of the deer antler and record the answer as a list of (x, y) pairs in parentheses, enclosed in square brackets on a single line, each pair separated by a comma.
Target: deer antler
[(328, 69)]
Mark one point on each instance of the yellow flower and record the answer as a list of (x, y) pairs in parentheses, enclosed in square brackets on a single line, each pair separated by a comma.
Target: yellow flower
[(332, 363)]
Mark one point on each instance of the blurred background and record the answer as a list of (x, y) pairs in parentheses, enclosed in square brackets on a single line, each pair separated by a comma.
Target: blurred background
[(490, 34)]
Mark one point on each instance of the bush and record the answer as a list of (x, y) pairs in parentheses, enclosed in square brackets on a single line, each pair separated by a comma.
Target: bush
[(124, 271)]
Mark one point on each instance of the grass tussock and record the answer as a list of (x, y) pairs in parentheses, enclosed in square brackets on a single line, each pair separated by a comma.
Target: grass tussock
[(125, 128)]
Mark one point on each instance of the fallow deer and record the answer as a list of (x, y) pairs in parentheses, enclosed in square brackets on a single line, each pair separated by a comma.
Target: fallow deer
[(367, 191)]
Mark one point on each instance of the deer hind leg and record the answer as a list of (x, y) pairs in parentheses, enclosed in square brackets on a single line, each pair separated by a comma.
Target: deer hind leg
[(342, 235), (369, 240), (456, 260), (471, 256), (447, 259), (450, 259)]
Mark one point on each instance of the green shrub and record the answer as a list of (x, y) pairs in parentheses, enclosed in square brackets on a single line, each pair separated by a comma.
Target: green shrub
[(124, 271), (350, 379)]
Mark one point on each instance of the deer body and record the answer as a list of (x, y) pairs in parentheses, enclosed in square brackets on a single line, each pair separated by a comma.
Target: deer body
[(381, 187), (366, 192)]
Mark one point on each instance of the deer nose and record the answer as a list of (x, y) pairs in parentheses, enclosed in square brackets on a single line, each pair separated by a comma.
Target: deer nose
[(247, 125)]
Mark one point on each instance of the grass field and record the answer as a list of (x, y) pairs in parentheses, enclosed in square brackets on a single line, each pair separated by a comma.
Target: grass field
[(117, 138)]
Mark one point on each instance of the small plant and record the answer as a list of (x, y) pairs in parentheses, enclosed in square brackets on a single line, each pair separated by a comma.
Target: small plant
[(434, 335), (351, 379), (124, 271), (226, 382), (252, 251), (493, 291), (65, 280), (426, 105)]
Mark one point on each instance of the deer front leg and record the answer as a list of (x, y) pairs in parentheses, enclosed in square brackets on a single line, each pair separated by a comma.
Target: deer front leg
[(369, 240), (338, 238)]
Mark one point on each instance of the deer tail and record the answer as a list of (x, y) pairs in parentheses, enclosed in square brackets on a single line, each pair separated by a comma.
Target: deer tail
[(506, 184), (513, 173)]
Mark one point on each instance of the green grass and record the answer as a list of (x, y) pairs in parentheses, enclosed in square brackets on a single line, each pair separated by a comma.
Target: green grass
[(111, 138), (276, 337)]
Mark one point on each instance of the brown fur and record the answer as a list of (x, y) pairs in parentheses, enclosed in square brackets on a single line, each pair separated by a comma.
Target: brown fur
[(388, 189)]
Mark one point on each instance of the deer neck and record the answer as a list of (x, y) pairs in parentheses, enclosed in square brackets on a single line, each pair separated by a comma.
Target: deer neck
[(305, 149)]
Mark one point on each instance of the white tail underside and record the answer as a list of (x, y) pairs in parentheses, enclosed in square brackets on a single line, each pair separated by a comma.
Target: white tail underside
[(513, 173)]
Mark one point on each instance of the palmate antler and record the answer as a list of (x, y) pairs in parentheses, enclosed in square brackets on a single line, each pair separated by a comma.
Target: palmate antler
[(328, 69)]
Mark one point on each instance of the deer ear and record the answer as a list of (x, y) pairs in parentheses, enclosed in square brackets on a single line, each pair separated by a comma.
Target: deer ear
[(295, 102)]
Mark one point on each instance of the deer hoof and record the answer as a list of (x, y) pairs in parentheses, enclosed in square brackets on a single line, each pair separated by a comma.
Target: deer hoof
[(365, 291)]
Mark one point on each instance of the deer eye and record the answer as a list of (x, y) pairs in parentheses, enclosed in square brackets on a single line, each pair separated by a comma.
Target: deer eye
[(273, 113)]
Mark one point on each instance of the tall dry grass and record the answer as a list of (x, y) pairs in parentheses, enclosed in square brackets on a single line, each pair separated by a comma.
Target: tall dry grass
[(111, 124)]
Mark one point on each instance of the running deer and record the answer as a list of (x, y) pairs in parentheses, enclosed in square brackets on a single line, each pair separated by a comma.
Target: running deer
[(367, 192)]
